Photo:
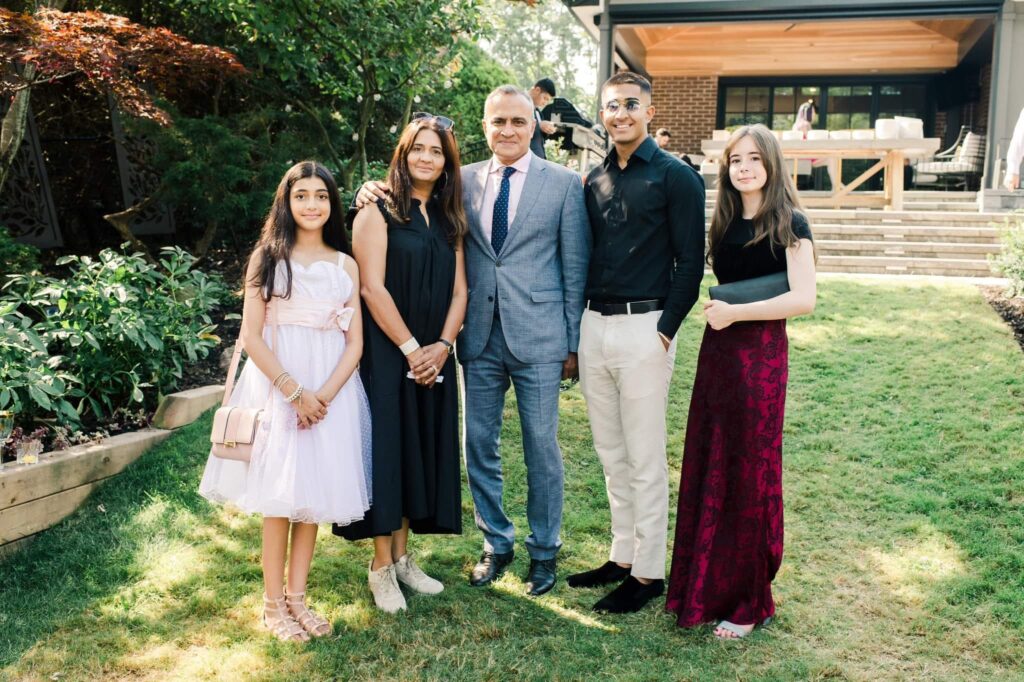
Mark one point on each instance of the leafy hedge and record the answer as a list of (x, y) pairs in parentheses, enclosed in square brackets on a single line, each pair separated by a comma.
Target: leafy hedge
[(1010, 260), (117, 332)]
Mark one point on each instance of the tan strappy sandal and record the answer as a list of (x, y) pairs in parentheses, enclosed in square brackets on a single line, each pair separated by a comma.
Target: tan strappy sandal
[(278, 619), (314, 624)]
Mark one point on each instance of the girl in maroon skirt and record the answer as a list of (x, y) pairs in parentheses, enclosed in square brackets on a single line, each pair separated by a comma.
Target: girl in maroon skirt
[(728, 543)]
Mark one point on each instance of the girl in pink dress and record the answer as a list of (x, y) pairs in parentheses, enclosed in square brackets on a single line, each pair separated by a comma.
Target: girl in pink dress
[(302, 330)]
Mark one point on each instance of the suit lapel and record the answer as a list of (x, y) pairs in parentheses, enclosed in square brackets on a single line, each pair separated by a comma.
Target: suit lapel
[(478, 184), (531, 190)]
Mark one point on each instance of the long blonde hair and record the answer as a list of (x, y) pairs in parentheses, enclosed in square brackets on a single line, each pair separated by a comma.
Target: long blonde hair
[(779, 200)]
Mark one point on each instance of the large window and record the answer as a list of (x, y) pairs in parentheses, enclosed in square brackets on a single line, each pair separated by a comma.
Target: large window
[(840, 106)]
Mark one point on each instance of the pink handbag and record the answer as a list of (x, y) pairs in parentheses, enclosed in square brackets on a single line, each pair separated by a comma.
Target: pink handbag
[(234, 428)]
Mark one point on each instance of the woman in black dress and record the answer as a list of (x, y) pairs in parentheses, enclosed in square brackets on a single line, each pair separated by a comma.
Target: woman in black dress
[(413, 284)]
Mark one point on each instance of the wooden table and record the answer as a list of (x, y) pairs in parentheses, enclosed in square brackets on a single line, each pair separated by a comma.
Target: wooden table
[(891, 155)]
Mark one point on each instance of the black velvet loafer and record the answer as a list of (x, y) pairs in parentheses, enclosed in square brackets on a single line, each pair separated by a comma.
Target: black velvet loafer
[(607, 574), (630, 596)]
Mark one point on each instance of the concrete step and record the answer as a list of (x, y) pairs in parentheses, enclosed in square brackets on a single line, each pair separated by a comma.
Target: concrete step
[(953, 251), (907, 233), (908, 195), (892, 265), (925, 218)]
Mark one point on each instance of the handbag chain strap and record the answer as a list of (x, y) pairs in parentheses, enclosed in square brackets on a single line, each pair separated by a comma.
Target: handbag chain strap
[(237, 355)]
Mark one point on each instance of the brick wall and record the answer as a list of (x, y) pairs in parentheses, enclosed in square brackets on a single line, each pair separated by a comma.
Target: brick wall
[(940, 128), (686, 105)]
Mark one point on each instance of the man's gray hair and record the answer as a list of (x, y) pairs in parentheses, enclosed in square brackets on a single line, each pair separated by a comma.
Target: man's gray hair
[(508, 89)]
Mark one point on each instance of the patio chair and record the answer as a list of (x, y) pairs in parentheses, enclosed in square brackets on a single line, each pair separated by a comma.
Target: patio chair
[(960, 166)]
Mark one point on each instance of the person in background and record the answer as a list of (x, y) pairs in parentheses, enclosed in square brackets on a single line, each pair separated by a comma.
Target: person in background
[(1015, 155), (663, 137), (542, 92), (805, 117)]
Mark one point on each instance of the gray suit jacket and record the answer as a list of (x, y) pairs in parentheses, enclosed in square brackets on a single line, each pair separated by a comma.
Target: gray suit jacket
[(539, 276)]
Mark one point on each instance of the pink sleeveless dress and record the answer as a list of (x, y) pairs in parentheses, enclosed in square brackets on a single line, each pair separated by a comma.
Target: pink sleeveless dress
[(316, 475)]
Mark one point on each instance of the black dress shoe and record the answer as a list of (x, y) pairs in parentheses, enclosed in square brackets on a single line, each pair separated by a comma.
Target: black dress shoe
[(541, 577), (490, 567), (630, 596), (611, 572)]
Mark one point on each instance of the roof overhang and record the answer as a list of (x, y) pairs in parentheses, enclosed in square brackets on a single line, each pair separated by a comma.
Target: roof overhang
[(783, 37)]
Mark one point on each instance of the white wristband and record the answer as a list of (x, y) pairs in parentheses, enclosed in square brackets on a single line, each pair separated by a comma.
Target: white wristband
[(410, 346)]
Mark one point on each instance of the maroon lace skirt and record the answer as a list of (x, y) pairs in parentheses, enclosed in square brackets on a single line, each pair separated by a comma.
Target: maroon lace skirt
[(728, 543)]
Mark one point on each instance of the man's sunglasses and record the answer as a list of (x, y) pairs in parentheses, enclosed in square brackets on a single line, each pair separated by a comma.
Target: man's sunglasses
[(443, 122)]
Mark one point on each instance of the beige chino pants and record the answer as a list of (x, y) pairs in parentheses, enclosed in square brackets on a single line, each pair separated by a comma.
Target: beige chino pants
[(625, 374)]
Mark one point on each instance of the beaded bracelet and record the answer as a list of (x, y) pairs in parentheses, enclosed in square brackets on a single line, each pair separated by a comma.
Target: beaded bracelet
[(295, 395)]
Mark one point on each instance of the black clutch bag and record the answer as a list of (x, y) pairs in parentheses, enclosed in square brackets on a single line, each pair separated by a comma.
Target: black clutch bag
[(750, 290)]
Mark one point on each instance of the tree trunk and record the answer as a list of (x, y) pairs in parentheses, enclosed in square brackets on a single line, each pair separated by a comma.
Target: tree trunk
[(122, 222), (206, 240), (12, 130)]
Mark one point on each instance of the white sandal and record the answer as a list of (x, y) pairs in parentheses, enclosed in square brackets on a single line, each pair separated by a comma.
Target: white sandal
[(313, 623), (280, 622)]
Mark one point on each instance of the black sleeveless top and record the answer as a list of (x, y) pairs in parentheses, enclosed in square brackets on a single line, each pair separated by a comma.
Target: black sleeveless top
[(735, 261)]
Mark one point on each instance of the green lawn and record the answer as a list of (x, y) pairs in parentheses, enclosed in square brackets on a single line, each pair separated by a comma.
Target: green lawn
[(904, 482)]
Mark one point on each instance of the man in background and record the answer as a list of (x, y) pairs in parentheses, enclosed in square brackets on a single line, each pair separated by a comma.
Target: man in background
[(542, 92), (663, 137)]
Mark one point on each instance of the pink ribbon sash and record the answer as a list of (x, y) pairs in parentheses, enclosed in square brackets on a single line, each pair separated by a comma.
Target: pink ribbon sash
[(312, 312)]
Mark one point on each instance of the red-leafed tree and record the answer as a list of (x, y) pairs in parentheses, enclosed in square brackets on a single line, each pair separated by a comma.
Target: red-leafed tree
[(101, 51)]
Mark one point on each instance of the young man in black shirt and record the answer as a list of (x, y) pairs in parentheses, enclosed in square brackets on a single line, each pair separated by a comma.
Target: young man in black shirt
[(646, 211)]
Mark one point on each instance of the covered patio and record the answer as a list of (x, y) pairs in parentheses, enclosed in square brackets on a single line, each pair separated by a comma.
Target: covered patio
[(720, 64)]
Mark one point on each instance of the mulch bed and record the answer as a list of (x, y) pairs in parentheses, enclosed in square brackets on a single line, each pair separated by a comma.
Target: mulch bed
[(1010, 309)]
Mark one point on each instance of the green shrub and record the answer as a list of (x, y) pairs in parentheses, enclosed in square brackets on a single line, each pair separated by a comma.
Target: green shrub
[(1010, 260), (119, 324), (33, 382), (16, 257)]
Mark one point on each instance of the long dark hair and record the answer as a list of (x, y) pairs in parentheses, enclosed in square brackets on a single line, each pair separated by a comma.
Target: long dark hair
[(278, 235), (779, 200), (448, 188)]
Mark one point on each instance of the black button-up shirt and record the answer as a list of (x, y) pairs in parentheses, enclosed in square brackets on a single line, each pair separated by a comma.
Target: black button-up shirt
[(647, 221)]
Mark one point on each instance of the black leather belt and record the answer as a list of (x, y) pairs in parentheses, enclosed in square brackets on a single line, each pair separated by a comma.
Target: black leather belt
[(631, 308)]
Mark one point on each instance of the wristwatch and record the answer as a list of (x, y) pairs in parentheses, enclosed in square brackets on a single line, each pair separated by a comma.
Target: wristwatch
[(450, 347)]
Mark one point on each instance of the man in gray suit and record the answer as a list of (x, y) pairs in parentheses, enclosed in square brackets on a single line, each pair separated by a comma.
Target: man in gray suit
[(527, 253)]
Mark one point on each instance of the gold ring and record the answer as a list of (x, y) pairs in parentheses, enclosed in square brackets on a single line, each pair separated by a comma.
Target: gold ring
[(436, 370)]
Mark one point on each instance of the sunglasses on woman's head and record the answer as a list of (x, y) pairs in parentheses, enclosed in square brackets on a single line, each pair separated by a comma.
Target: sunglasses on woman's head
[(443, 122)]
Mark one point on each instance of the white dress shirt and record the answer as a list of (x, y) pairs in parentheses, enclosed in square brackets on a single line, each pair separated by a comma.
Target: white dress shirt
[(492, 185), (1015, 153)]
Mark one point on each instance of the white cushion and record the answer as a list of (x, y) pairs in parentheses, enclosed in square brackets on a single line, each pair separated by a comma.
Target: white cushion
[(864, 134), (839, 134), (910, 128), (720, 135), (817, 134), (887, 129)]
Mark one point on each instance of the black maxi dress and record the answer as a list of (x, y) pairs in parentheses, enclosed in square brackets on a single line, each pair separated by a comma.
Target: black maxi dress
[(416, 459)]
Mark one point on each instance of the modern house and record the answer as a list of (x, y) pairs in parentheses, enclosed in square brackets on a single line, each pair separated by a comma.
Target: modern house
[(721, 63)]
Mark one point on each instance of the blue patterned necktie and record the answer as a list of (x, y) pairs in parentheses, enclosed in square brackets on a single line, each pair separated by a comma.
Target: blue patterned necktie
[(499, 222)]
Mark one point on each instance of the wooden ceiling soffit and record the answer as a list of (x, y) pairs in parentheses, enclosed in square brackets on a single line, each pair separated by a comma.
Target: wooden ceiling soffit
[(824, 47)]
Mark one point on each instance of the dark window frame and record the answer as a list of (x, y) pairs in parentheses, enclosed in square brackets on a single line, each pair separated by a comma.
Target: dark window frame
[(824, 82)]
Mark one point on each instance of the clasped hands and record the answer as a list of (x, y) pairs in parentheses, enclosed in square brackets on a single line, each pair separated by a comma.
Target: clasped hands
[(311, 408), (426, 362)]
